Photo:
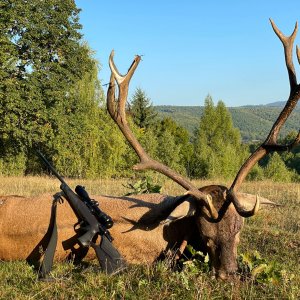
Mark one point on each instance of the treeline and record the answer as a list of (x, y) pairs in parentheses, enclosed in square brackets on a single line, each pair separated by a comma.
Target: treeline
[(254, 122), (51, 99), (215, 150)]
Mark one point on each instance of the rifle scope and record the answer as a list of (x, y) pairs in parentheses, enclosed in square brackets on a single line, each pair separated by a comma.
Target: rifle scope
[(93, 206)]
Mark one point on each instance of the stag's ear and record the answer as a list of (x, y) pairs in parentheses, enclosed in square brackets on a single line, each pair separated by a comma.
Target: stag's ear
[(185, 209), (249, 200)]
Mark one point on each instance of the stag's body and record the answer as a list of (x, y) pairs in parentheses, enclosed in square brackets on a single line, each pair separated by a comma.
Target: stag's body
[(140, 231), (24, 222)]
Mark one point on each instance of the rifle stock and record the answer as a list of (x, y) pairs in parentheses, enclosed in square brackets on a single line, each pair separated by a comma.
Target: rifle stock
[(109, 258)]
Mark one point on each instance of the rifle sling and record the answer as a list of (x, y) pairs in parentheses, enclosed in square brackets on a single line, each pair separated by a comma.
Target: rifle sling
[(47, 262)]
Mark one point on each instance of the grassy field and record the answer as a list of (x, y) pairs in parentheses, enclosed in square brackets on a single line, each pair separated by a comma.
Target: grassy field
[(274, 233)]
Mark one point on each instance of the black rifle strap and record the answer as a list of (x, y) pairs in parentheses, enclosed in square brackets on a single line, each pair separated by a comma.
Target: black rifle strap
[(47, 262), (50, 244)]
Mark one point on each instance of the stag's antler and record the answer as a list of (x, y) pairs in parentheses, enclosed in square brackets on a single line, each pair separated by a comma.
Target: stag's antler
[(116, 108), (270, 144)]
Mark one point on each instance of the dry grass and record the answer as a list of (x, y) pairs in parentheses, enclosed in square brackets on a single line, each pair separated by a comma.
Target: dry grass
[(275, 233), (35, 185)]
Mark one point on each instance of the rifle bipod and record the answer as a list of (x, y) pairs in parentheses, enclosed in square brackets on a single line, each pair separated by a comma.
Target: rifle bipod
[(109, 258)]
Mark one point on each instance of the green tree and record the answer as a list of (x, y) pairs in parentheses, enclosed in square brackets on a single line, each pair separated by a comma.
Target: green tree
[(277, 170), (291, 158), (42, 59), (174, 146), (79, 136), (218, 151), (169, 151), (141, 109)]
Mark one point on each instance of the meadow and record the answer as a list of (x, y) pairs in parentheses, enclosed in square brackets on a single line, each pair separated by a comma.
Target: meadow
[(271, 240)]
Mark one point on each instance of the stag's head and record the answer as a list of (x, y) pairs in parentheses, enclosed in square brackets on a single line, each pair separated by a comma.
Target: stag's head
[(221, 238), (218, 212), (217, 237)]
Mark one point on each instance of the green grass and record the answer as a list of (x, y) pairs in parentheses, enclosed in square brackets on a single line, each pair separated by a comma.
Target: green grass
[(18, 281), (274, 233)]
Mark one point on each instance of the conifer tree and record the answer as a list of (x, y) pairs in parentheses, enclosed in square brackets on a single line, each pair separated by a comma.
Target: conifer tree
[(217, 144), (141, 109)]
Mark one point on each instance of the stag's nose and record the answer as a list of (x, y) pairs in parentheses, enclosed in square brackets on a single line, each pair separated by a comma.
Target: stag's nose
[(223, 275)]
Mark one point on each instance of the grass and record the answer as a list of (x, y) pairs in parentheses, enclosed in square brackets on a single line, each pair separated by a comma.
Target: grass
[(275, 233)]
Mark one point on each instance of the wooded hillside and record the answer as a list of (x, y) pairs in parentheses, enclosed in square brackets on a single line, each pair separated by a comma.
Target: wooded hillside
[(254, 122)]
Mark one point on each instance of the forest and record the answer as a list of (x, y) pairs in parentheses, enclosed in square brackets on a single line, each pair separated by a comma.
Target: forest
[(51, 99), (253, 121)]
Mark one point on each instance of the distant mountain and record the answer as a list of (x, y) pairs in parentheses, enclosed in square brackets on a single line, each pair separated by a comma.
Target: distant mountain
[(276, 104), (280, 104), (254, 122)]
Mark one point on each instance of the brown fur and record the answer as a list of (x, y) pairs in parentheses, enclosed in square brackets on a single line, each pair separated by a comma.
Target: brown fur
[(138, 232)]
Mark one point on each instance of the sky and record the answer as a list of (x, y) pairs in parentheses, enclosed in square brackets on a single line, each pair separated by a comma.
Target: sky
[(193, 48)]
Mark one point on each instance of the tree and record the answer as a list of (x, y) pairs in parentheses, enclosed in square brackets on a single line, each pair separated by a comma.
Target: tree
[(176, 140), (168, 151), (76, 148), (43, 59), (291, 158), (141, 109), (277, 170), (218, 151)]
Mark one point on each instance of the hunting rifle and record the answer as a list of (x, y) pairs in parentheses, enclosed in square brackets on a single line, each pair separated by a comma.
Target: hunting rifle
[(92, 222)]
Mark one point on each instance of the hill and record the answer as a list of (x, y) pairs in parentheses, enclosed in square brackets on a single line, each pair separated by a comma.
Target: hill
[(254, 122), (280, 104)]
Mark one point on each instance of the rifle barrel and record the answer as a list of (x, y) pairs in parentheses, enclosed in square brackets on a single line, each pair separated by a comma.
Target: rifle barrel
[(50, 166)]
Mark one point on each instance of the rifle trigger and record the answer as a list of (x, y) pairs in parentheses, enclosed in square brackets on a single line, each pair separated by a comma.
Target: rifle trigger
[(78, 226)]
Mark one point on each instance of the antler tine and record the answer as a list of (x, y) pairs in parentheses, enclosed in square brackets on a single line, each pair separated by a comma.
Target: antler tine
[(298, 53), (116, 109), (119, 78), (270, 144), (122, 80), (288, 43)]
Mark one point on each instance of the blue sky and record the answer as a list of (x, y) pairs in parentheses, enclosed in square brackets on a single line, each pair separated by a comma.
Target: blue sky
[(193, 48)]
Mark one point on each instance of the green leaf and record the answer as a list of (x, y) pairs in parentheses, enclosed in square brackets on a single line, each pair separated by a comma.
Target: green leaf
[(258, 270), (206, 258), (143, 186), (246, 258)]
